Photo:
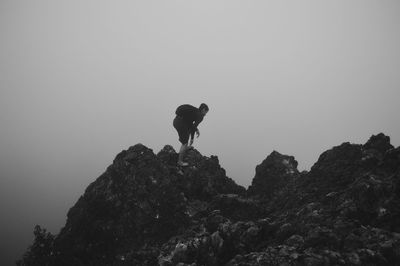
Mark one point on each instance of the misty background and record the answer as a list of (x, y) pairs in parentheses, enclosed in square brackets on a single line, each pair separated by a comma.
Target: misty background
[(82, 80)]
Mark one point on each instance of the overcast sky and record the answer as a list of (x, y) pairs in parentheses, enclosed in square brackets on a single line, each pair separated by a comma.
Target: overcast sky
[(82, 80)]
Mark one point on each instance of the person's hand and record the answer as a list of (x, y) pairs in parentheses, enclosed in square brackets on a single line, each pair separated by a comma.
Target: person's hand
[(198, 133)]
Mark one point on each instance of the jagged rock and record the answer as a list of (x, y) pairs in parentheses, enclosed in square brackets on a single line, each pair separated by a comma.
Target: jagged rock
[(322, 237), (213, 221), (168, 156), (237, 207), (144, 210), (335, 169), (380, 143), (141, 200), (203, 179), (374, 150), (273, 173), (391, 160), (295, 241), (279, 255), (132, 202)]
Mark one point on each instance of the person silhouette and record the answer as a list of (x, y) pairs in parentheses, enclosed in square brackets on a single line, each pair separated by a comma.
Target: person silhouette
[(186, 121)]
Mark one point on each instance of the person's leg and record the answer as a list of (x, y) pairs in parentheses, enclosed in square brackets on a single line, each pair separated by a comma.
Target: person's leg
[(182, 151), (183, 132)]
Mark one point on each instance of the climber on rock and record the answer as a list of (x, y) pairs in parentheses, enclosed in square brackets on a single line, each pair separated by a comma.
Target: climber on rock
[(186, 121)]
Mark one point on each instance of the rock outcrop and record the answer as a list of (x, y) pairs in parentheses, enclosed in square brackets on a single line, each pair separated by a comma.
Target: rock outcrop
[(275, 171), (144, 210)]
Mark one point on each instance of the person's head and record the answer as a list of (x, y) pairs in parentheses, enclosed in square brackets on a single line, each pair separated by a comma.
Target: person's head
[(203, 109)]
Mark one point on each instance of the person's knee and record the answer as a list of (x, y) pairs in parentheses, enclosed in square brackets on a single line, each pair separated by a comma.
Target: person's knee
[(184, 139)]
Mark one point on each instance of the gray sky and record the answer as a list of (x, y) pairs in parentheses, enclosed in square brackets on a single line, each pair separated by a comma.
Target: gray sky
[(82, 80)]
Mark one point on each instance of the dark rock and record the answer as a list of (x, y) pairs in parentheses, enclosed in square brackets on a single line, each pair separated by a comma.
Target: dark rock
[(273, 173), (285, 231), (380, 143), (391, 160), (214, 220), (168, 156), (374, 150), (295, 241), (237, 207), (128, 206), (334, 170), (144, 210)]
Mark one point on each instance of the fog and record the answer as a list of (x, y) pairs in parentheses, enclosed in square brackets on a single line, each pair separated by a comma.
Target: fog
[(82, 80)]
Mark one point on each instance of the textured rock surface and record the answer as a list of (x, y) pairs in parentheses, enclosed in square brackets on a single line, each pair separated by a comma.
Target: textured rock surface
[(146, 211), (273, 173)]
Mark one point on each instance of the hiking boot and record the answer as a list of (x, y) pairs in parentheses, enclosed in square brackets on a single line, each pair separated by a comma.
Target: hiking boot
[(180, 163)]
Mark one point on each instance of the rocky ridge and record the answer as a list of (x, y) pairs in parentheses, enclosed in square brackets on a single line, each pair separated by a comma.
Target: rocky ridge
[(146, 211)]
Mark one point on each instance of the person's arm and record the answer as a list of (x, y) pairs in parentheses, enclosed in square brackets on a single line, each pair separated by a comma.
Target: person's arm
[(194, 127), (191, 142)]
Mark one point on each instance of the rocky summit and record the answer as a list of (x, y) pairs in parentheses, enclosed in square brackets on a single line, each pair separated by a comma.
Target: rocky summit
[(144, 210)]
